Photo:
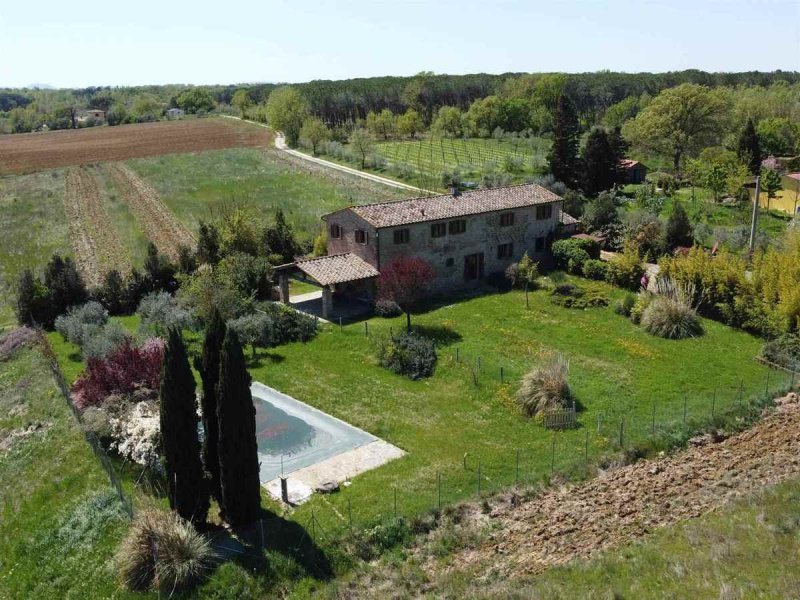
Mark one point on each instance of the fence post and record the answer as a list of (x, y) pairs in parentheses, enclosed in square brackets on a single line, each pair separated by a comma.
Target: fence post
[(713, 403), (457, 360), (516, 471), (395, 502), (621, 431), (350, 515), (478, 364), (479, 479), (439, 481), (766, 391), (685, 399), (341, 327), (391, 333), (501, 375), (599, 421), (313, 528), (553, 456), (741, 393), (586, 448), (654, 418), (366, 329)]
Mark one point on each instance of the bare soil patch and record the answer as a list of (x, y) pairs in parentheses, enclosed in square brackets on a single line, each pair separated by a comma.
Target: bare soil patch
[(26, 152), (94, 237), (619, 506), (157, 221)]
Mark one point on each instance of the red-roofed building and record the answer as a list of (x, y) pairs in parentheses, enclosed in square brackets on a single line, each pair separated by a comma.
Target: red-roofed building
[(635, 172)]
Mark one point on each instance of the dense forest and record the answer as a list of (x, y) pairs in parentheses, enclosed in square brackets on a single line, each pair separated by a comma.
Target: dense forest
[(341, 102)]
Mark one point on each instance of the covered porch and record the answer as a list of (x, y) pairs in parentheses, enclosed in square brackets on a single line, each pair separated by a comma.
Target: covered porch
[(347, 285)]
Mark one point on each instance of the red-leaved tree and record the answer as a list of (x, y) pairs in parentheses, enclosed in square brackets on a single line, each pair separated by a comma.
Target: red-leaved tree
[(121, 372), (406, 280)]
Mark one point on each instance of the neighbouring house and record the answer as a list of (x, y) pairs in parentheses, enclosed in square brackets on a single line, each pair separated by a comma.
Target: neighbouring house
[(464, 236), (787, 199), (98, 116), (633, 171), (174, 113)]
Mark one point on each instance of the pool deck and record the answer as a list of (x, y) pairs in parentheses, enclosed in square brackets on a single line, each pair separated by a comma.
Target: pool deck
[(340, 468)]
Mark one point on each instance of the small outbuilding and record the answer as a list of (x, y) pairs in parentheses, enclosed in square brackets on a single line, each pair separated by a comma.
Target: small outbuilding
[(175, 113), (634, 171)]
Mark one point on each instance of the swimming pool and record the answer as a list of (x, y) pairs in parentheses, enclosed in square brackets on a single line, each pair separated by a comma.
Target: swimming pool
[(297, 434)]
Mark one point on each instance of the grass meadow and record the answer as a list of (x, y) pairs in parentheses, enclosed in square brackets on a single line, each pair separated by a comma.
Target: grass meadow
[(60, 521)]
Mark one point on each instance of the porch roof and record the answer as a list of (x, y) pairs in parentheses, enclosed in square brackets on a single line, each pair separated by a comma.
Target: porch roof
[(337, 268)]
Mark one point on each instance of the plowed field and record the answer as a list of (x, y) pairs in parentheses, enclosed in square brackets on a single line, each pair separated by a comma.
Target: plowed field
[(157, 221), (93, 235), (23, 153)]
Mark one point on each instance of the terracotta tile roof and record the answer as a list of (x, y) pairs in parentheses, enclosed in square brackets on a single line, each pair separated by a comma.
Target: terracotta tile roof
[(567, 219), (337, 268), (446, 206), (628, 163), (794, 176)]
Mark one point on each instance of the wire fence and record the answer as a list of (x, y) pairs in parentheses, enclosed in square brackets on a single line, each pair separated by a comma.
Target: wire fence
[(94, 442), (579, 441)]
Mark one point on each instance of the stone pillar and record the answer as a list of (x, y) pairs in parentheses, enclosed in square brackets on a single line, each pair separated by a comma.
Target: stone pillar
[(327, 302), (283, 288)]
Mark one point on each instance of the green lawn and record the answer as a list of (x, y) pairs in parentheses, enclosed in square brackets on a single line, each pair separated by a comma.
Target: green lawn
[(59, 520), (195, 185), (443, 422), (617, 371), (33, 225)]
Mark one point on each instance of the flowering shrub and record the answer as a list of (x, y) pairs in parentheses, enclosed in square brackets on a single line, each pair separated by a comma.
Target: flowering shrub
[(15, 339), (136, 435), (121, 372)]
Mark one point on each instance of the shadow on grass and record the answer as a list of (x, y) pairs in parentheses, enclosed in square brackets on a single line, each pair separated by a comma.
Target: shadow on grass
[(438, 333), (258, 359), (272, 533)]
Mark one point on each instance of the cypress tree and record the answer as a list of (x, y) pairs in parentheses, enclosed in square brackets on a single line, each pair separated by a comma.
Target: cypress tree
[(208, 365), (29, 299), (678, 231), (238, 449), (563, 155), (186, 485), (749, 148), (600, 163)]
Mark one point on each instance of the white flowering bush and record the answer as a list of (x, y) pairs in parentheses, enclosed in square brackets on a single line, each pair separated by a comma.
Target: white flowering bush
[(136, 433)]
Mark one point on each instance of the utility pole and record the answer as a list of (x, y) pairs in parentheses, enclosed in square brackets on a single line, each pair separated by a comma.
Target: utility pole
[(754, 223)]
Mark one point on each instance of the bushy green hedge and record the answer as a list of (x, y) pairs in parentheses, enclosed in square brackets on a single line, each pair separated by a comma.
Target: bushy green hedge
[(409, 354)]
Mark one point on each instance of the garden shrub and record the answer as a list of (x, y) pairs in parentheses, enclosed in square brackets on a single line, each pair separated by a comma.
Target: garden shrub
[(569, 295), (289, 325), (546, 386), (162, 552), (409, 354), (595, 269), (624, 306), (124, 370), (387, 308), (626, 269), (671, 318), (73, 325), (784, 351), (570, 255), (101, 341), (159, 311), (643, 299)]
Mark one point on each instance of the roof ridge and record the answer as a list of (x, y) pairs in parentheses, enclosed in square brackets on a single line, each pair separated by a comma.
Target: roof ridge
[(461, 195)]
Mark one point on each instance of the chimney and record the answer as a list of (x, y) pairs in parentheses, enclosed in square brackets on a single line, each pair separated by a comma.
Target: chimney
[(454, 190)]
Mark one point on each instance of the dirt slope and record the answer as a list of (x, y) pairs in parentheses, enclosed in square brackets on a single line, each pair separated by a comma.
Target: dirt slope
[(157, 221), (94, 238), (624, 504)]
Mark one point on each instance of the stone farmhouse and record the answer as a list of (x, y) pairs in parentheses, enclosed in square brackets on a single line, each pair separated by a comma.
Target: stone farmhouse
[(465, 237)]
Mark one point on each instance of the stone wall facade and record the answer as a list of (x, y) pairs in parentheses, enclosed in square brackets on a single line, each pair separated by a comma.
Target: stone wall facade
[(459, 259)]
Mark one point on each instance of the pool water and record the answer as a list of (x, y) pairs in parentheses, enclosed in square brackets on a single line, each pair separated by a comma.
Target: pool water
[(292, 435)]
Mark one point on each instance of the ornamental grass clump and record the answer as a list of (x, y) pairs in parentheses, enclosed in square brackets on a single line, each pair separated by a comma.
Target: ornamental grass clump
[(163, 552), (670, 313), (544, 387)]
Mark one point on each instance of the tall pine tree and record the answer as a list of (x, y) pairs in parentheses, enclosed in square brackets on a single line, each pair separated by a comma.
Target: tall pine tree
[(186, 485), (749, 148), (238, 449), (563, 156), (208, 365), (600, 163)]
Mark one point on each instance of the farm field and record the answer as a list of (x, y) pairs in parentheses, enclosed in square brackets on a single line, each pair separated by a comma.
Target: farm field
[(24, 153), (617, 371), (195, 186)]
